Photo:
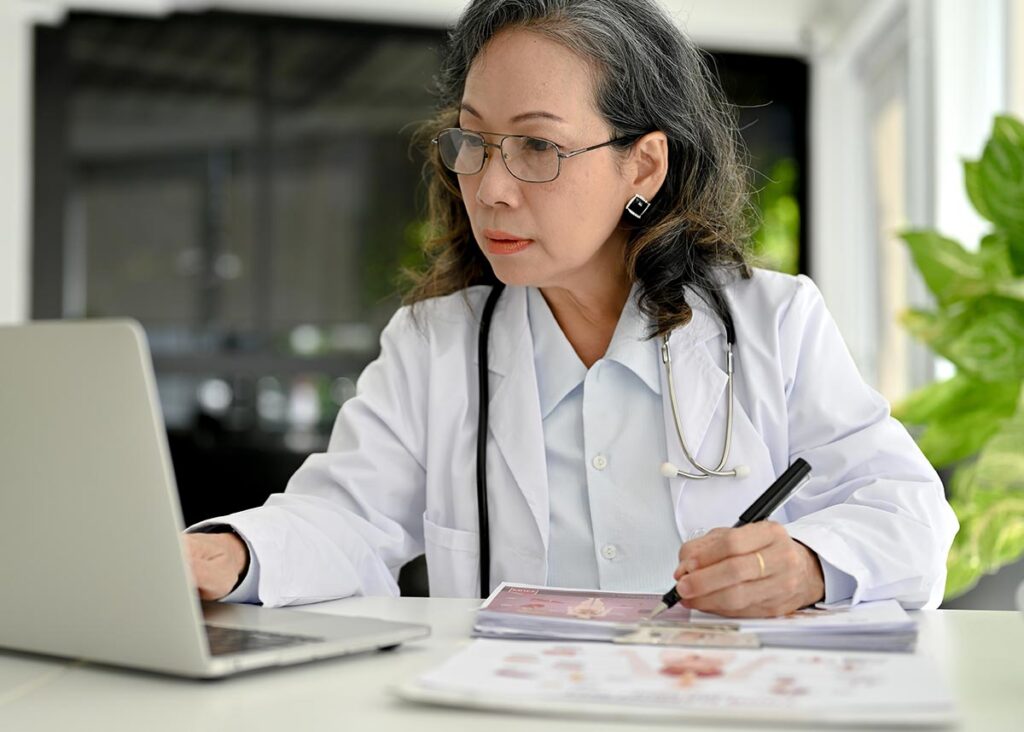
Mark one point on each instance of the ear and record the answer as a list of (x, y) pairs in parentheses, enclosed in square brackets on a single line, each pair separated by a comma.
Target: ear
[(649, 164)]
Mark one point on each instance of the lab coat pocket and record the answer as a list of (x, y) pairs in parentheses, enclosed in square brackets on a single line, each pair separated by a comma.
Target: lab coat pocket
[(453, 560)]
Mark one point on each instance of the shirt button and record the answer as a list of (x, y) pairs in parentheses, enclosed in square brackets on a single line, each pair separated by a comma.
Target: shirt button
[(600, 462), (608, 551)]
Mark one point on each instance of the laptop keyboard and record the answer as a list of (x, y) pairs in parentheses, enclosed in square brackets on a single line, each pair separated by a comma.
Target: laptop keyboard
[(224, 641)]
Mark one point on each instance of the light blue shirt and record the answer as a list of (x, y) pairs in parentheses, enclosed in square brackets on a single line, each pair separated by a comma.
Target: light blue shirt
[(612, 520)]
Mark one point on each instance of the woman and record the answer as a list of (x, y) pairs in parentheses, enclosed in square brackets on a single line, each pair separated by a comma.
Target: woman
[(584, 159)]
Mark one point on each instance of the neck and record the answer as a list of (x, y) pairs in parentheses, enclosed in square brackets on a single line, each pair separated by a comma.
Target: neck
[(588, 315)]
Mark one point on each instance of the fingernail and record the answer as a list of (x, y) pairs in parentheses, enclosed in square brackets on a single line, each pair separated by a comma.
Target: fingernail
[(683, 588)]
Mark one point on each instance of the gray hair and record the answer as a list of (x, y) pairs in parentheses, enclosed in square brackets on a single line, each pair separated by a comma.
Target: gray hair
[(649, 76)]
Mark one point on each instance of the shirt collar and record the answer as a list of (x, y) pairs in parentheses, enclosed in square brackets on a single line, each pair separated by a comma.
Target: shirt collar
[(631, 345), (559, 368)]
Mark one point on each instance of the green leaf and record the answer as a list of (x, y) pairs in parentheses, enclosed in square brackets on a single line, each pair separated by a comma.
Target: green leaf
[(961, 486), (946, 441), (994, 257), (989, 503), (952, 273), (955, 396), (975, 188), (1001, 535), (963, 570), (984, 336), (1001, 462), (924, 325), (996, 183), (949, 270), (999, 267), (961, 414), (1012, 289), (990, 341), (933, 400), (991, 535), (992, 528)]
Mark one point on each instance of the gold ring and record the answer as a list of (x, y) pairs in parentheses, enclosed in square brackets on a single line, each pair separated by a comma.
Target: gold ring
[(760, 561)]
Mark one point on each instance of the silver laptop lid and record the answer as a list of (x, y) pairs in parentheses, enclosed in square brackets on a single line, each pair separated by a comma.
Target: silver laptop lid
[(90, 556)]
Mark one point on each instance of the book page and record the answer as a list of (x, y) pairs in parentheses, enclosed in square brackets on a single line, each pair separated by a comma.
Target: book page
[(601, 607), (569, 604), (831, 684)]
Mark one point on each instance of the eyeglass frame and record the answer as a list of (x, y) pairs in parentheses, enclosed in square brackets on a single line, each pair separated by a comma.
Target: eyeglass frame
[(558, 150)]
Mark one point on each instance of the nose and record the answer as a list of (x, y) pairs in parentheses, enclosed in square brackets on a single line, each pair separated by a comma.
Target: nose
[(497, 186)]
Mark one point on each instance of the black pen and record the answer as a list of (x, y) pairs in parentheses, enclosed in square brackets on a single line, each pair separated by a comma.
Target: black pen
[(777, 494)]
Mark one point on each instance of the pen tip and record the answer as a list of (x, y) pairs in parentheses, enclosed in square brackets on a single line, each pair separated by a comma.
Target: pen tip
[(662, 607)]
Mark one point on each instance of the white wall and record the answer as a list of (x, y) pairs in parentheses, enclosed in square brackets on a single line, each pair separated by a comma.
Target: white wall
[(970, 61), (957, 59), (779, 26), (1015, 42)]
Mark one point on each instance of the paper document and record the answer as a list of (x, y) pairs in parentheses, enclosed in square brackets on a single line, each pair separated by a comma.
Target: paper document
[(551, 613), (606, 680)]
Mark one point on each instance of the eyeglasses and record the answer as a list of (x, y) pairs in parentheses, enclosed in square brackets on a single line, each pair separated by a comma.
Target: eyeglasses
[(530, 159)]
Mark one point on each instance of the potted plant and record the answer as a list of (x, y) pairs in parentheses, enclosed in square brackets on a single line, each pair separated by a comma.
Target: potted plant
[(973, 423)]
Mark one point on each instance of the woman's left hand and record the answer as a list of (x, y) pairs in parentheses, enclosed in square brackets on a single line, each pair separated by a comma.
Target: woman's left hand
[(752, 571)]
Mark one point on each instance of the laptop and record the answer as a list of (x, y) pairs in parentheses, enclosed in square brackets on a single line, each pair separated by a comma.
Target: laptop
[(91, 558)]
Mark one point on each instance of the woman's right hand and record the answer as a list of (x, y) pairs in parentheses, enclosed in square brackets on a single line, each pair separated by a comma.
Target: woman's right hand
[(216, 562)]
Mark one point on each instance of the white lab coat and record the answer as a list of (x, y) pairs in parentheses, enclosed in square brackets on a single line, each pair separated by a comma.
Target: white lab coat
[(399, 475)]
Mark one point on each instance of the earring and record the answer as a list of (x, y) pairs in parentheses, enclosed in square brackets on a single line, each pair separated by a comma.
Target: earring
[(638, 206)]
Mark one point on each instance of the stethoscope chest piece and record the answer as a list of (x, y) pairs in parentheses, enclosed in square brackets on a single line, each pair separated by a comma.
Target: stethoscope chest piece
[(703, 472)]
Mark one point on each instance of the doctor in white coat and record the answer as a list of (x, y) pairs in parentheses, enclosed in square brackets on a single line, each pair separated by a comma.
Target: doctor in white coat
[(584, 158)]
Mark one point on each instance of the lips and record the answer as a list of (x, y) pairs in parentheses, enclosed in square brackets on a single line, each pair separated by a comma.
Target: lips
[(503, 242)]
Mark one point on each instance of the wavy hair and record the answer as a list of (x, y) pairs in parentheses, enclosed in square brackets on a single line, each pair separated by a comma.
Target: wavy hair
[(649, 76)]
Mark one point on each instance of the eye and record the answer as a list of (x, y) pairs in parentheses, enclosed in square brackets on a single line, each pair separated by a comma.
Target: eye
[(535, 144)]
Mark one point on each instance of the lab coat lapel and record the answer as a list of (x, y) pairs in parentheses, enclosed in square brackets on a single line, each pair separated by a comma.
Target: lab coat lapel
[(514, 416), (700, 384)]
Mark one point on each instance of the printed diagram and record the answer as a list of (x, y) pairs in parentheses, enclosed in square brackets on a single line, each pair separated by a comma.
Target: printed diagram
[(592, 607), (639, 671), (580, 605)]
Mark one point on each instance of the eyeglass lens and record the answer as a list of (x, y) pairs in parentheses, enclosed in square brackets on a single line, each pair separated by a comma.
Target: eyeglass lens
[(527, 158)]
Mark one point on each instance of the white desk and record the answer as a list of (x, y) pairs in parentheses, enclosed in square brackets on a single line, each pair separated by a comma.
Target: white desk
[(980, 653)]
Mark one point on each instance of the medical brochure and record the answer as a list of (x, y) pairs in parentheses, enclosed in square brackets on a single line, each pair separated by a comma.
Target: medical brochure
[(551, 613), (607, 680)]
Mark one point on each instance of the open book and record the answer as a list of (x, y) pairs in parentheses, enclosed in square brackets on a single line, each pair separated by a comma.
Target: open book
[(606, 681), (551, 613)]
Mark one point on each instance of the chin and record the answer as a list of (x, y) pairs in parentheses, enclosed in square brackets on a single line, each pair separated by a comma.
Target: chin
[(515, 276)]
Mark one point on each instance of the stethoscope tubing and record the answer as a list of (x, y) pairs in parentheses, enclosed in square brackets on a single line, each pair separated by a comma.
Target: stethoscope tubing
[(482, 426), (704, 471), (481, 440)]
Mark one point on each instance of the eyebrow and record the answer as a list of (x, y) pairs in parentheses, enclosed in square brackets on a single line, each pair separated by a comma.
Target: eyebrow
[(539, 114)]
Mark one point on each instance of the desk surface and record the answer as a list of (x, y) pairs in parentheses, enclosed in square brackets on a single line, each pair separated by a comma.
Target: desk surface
[(981, 654)]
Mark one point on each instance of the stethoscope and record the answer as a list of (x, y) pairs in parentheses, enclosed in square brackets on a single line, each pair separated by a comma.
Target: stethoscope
[(667, 469)]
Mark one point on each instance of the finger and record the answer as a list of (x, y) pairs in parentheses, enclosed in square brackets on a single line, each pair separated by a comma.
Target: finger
[(206, 568), (731, 571), (703, 539), (199, 547), (756, 599), (211, 583), (693, 547), (731, 542)]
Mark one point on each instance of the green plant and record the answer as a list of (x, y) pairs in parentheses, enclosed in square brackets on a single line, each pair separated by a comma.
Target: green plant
[(776, 242), (974, 422)]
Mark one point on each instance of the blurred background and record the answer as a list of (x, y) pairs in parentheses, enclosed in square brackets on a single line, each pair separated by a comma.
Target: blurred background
[(238, 176)]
